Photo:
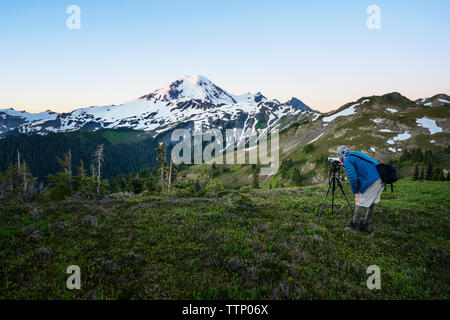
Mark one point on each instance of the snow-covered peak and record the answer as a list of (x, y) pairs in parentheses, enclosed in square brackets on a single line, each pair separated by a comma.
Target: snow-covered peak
[(196, 79), (192, 87), (185, 100), (27, 116), (250, 97), (198, 87)]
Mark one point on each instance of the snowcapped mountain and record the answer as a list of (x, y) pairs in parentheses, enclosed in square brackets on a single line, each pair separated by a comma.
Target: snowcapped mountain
[(180, 104), (298, 104), (11, 119), (200, 88)]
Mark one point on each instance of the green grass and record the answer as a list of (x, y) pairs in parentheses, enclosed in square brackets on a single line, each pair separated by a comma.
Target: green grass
[(260, 245)]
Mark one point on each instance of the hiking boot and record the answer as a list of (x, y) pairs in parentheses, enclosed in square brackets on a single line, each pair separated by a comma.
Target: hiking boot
[(364, 226), (353, 226)]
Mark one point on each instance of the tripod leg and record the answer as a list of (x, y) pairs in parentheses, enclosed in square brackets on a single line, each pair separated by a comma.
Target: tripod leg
[(332, 195), (345, 196), (325, 199)]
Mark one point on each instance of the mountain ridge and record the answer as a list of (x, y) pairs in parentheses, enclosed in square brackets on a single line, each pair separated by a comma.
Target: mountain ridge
[(183, 101)]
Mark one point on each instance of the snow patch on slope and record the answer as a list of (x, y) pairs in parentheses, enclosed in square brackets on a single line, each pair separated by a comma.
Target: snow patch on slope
[(315, 139), (400, 137), (346, 112), (429, 124)]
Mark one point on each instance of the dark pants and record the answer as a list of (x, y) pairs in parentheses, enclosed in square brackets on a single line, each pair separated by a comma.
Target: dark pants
[(361, 212)]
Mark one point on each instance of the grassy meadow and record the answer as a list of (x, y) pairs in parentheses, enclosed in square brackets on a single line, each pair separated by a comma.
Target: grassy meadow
[(245, 244)]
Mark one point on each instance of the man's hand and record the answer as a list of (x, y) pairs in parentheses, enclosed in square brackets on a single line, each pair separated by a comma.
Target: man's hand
[(357, 197)]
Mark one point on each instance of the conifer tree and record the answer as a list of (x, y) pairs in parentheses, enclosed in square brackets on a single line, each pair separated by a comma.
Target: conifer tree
[(66, 163), (255, 180), (429, 172), (416, 173), (437, 174), (2, 186), (296, 177)]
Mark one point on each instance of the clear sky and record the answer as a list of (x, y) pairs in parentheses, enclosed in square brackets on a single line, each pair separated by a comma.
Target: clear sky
[(319, 51)]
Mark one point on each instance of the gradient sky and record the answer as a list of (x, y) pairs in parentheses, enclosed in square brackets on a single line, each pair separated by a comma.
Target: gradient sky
[(318, 51)]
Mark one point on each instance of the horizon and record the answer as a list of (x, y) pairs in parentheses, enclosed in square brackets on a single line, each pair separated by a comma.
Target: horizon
[(321, 53), (198, 75)]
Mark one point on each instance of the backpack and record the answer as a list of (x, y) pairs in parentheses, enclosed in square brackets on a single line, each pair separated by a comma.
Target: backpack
[(388, 173)]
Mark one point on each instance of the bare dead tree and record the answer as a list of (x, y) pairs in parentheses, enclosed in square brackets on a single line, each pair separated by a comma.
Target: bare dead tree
[(98, 158), (25, 180), (170, 177), (81, 170), (162, 162), (173, 170), (92, 170), (18, 159)]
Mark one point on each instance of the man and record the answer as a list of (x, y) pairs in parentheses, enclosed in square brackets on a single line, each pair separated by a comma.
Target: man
[(366, 184)]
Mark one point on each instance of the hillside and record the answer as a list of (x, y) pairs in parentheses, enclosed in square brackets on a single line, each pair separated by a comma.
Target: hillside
[(259, 244), (384, 127), (381, 125)]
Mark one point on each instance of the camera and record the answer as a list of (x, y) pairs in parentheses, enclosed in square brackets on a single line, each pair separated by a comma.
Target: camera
[(334, 161), (335, 164)]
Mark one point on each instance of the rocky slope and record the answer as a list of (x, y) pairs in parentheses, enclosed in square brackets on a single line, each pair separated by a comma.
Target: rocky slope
[(434, 101), (381, 125)]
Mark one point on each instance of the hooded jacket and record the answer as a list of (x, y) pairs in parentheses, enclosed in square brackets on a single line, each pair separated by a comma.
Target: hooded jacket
[(360, 173)]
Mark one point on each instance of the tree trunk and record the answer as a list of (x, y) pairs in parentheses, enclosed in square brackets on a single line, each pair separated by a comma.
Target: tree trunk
[(25, 182), (18, 160), (98, 176), (162, 179), (170, 176), (70, 171)]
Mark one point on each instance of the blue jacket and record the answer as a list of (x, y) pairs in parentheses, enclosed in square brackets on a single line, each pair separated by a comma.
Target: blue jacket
[(360, 173)]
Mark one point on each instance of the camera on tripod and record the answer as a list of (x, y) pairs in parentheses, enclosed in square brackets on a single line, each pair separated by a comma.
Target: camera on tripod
[(333, 182), (335, 164)]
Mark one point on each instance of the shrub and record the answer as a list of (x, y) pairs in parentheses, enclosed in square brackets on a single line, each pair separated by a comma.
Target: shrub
[(191, 187), (240, 202), (214, 188)]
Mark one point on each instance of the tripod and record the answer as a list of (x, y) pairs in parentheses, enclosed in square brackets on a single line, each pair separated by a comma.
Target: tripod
[(335, 178)]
